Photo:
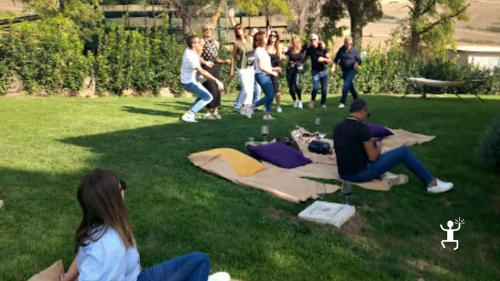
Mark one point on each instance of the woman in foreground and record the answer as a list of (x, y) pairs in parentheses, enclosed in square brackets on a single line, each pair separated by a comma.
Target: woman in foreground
[(105, 246)]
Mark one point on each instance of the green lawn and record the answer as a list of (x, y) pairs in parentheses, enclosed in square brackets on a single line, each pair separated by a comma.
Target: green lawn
[(47, 144)]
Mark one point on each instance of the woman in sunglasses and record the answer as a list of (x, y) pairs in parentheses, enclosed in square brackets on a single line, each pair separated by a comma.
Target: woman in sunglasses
[(294, 68), (263, 73), (273, 48), (320, 58), (105, 246)]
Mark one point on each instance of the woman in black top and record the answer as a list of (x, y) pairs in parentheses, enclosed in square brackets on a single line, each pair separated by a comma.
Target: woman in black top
[(273, 48), (320, 58), (294, 67), (210, 62)]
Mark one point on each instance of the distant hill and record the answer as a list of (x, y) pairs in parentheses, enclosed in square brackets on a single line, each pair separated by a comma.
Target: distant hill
[(11, 6), (483, 27)]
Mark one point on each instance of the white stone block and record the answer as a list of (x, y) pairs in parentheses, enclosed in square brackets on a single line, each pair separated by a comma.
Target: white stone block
[(328, 213)]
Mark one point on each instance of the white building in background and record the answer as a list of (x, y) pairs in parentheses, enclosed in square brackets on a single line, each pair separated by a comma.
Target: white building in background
[(484, 56)]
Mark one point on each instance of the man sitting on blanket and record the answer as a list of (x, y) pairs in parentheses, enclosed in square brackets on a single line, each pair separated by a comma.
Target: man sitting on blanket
[(359, 155)]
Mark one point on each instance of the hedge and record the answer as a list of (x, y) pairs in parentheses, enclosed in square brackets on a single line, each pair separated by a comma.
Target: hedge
[(47, 55)]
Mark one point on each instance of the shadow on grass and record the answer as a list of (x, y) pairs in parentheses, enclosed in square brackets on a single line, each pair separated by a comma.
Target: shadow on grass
[(176, 208), (139, 110), (157, 155)]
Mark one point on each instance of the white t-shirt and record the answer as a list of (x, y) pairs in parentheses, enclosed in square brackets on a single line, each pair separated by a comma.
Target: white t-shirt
[(261, 55), (107, 259), (190, 61)]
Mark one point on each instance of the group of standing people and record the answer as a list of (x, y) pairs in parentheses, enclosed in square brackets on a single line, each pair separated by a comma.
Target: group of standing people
[(257, 58)]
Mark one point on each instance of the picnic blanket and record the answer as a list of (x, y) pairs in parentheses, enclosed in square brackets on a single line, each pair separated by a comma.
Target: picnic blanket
[(51, 273), (291, 184), (283, 183), (325, 166)]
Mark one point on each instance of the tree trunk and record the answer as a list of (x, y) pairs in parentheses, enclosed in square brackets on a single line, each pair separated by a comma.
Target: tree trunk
[(415, 14), (356, 31), (415, 41), (186, 24), (61, 5)]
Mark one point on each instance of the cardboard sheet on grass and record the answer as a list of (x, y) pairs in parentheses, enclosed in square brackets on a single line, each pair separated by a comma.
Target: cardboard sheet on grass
[(283, 183), (325, 166), (289, 184), (52, 273)]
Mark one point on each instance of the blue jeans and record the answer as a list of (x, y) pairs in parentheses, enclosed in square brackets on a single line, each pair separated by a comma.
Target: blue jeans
[(267, 87), (348, 85), (239, 99), (387, 161), (203, 95), (320, 77), (256, 92), (190, 267)]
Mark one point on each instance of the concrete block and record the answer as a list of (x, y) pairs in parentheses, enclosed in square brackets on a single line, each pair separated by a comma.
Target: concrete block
[(328, 213)]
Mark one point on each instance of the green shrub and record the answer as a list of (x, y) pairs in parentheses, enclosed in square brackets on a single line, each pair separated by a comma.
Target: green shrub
[(5, 72), (136, 60), (489, 145), (45, 54)]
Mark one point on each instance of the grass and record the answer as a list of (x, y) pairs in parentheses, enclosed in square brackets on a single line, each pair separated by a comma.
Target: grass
[(47, 144)]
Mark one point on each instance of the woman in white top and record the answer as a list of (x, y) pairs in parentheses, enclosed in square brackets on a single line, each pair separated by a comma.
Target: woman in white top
[(104, 243), (263, 73)]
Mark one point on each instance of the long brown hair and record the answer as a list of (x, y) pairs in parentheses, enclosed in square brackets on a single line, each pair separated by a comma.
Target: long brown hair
[(236, 28), (276, 43), (258, 39), (99, 195)]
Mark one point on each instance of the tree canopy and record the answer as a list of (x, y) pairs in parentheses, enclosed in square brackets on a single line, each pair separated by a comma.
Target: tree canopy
[(432, 22)]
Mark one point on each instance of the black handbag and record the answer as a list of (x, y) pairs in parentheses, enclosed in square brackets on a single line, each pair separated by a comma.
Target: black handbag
[(320, 147)]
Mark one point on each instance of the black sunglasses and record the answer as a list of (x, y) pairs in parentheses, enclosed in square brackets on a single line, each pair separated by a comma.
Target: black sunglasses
[(123, 185)]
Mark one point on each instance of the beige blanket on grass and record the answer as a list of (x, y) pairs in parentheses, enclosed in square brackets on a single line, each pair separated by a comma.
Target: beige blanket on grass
[(290, 184), (283, 183), (52, 273)]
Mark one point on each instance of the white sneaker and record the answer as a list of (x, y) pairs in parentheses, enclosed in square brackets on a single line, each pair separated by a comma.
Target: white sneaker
[(279, 110), (395, 179), (300, 105), (219, 276), (189, 116), (440, 187), (217, 116), (267, 117), (208, 116), (295, 104), (341, 105), (246, 112)]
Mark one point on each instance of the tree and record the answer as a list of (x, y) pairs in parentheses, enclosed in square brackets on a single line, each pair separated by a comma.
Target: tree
[(331, 11), (188, 9), (361, 12), (433, 22), (267, 7), (306, 12)]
